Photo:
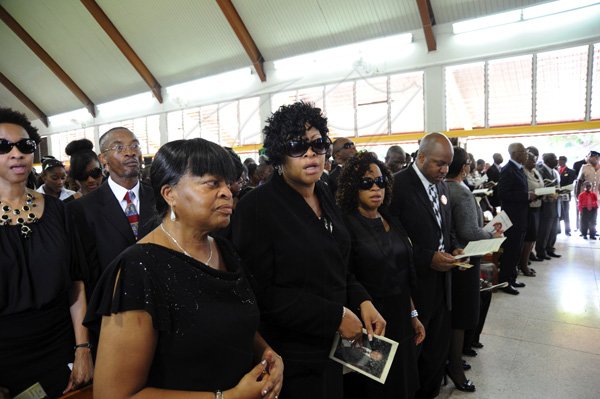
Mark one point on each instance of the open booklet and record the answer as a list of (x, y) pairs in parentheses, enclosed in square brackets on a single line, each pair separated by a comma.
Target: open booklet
[(372, 359), (501, 218), (481, 247)]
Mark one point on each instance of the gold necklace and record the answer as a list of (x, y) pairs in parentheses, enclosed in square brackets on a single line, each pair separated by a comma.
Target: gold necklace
[(210, 253), (24, 215)]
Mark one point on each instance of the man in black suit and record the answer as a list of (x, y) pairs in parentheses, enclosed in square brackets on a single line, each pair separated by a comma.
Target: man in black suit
[(546, 237), (420, 200), (514, 196), (100, 219), (567, 177), (343, 150), (493, 174)]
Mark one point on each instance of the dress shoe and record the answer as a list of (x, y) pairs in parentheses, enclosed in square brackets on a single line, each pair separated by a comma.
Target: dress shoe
[(538, 258), (510, 290), (554, 255), (466, 366), (568, 234), (592, 237), (532, 256), (469, 352), (465, 386), (584, 237), (477, 345), (518, 285), (546, 257)]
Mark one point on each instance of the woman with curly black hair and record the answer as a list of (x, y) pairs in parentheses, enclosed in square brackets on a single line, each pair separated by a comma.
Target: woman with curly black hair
[(381, 260), (293, 240)]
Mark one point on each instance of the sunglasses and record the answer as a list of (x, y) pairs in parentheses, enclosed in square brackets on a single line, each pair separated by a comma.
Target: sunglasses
[(297, 148), (367, 182), (25, 146), (94, 173)]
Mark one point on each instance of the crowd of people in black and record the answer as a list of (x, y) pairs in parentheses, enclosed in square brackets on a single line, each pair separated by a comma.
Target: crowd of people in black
[(216, 278)]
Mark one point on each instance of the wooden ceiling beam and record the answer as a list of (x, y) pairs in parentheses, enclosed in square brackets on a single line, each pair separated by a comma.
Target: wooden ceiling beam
[(118, 39), (428, 20), (236, 23), (23, 98), (47, 59)]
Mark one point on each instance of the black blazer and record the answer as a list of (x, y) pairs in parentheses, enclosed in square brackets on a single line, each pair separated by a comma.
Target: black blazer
[(298, 268), (334, 176), (493, 174), (568, 176), (411, 204), (514, 195), (103, 229)]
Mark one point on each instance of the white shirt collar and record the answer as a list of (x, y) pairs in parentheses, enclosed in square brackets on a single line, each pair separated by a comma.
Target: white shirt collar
[(64, 193), (120, 191), (426, 183)]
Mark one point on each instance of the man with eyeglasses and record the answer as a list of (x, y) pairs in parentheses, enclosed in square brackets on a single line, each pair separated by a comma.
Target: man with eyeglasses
[(343, 150), (121, 211)]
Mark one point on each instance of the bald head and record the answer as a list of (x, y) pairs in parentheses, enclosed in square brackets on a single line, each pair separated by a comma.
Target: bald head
[(434, 156), (343, 149)]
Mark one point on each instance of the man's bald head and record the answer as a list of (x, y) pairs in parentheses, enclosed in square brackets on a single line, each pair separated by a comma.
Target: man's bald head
[(434, 156)]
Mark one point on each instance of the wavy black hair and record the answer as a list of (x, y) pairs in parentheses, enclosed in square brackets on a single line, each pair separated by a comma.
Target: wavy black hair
[(352, 173), (8, 115), (81, 153), (197, 157), (288, 123), (458, 161)]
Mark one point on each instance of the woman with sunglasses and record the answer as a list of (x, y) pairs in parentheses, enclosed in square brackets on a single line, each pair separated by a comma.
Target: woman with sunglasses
[(85, 166), (42, 300), (381, 260), (293, 240), (54, 177)]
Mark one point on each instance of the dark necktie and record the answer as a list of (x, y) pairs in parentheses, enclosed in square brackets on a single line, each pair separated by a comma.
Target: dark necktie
[(131, 212), (433, 197)]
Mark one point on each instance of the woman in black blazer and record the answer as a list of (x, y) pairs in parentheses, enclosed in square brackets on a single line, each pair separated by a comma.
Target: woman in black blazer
[(293, 240), (381, 260)]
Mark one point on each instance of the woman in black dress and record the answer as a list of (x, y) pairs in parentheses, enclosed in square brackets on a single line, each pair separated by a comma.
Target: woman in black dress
[(178, 317), (42, 298), (381, 260), (293, 239)]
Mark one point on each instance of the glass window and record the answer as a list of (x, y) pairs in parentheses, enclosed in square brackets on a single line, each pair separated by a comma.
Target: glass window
[(191, 123), (153, 133), (465, 96), (139, 128), (312, 94), (250, 132), (561, 85), (283, 98), (174, 125), (228, 124), (339, 107), (595, 114), (407, 108), (510, 91), (372, 106), (209, 122)]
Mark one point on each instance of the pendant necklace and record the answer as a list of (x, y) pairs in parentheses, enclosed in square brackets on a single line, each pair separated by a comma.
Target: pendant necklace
[(210, 253), (24, 215)]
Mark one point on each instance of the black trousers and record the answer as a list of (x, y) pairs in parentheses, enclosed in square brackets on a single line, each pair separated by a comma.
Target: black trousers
[(473, 335), (547, 230), (588, 221), (564, 215), (510, 255)]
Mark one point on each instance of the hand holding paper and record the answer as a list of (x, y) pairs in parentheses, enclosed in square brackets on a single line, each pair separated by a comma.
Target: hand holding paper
[(481, 247)]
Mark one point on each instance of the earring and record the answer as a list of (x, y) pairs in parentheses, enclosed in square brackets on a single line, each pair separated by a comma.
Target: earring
[(173, 216)]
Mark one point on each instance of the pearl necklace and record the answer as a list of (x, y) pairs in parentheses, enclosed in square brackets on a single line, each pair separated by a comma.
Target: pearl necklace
[(5, 219), (210, 253)]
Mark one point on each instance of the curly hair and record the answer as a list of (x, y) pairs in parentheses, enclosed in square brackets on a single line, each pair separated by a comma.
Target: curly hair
[(352, 173), (288, 123), (8, 115)]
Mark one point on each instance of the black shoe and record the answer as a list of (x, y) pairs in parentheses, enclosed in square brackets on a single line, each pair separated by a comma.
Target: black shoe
[(593, 238), (465, 386), (547, 257), (477, 345), (510, 290), (538, 258), (568, 234), (532, 256), (554, 255), (466, 366), (469, 352), (518, 285), (528, 263), (584, 237)]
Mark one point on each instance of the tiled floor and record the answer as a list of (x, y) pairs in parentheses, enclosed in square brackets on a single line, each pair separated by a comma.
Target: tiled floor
[(545, 342)]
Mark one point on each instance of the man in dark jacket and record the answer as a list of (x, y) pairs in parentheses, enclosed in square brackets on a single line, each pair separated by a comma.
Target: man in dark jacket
[(567, 177)]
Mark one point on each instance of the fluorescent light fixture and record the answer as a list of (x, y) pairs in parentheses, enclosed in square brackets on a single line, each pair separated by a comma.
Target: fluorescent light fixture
[(487, 22), (555, 7)]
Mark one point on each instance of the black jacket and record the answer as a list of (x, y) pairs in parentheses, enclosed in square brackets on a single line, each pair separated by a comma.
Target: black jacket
[(514, 195)]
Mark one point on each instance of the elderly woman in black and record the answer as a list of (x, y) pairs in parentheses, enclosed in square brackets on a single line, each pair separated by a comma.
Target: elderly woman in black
[(84, 165), (293, 239), (381, 260), (178, 316), (42, 297), (467, 220)]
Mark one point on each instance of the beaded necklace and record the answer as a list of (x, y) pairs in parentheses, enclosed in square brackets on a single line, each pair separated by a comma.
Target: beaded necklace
[(24, 215)]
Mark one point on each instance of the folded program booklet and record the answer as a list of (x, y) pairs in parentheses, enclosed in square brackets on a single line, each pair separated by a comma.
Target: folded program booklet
[(481, 247), (502, 219)]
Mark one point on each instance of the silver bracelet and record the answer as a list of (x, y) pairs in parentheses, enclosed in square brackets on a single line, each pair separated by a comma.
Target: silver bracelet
[(219, 394), (414, 313)]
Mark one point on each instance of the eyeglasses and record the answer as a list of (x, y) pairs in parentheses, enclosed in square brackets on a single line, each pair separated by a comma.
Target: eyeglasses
[(25, 146), (119, 148), (94, 173), (297, 148), (366, 183)]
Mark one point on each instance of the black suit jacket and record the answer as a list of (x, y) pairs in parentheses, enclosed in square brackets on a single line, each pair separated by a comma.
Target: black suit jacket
[(568, 176), (493, 174), (411, 204), (514, 195), (103, 229), (334, 176)]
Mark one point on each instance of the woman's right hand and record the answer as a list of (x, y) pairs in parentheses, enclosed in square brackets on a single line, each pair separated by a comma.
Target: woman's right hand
[(254, 385), (351, 326)]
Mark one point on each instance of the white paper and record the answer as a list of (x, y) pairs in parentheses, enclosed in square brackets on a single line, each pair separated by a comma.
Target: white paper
[(545, 190), (481, 247), (566, 188), (501, 218), (483, 191)]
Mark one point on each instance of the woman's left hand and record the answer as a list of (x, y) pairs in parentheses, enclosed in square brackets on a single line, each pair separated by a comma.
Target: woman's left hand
[(83, 370), (374, 322), (275, 368), (419, 330)]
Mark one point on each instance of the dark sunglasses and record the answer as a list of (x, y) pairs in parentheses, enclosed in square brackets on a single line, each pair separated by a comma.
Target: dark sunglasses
[(25, 146), (94, 173), (297, 148), (367, 182)]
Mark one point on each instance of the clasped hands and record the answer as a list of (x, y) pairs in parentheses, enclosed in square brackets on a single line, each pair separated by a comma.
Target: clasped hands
[(351, 326)]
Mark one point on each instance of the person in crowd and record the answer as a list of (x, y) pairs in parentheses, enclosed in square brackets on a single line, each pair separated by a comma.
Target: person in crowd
[(381, 260), (534, 180), (579, 184), (164, 302), (493, 174), (343, 149), (590, 172), (118, 213), (578, 164), (467, 223), (395, 158), (241, 175), (263, 173), (567, 178), (85, 165), (292, 238), (588, 206), (54, 176), (420, 200), (42, 301), (546, 237), (514, 196)]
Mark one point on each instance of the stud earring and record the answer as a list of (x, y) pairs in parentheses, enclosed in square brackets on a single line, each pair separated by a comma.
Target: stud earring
[(173, 216)]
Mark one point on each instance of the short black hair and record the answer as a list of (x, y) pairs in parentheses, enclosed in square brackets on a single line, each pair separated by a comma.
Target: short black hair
[(288, 123), (237, 162), (197, 157), (460, 159), (81, 153), (8, 115), (351, 175), (49, 162), (105, 136)]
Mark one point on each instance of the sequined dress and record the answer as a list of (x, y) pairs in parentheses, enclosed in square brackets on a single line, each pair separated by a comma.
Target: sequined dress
[(206, 319)]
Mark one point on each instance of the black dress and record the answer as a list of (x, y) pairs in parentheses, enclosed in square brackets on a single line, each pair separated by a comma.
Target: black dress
[(206, 319), (36, 332), (382, 263)]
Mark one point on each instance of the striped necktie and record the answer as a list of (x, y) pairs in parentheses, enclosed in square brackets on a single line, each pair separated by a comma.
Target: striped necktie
[(433, 197), (131, 212)]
